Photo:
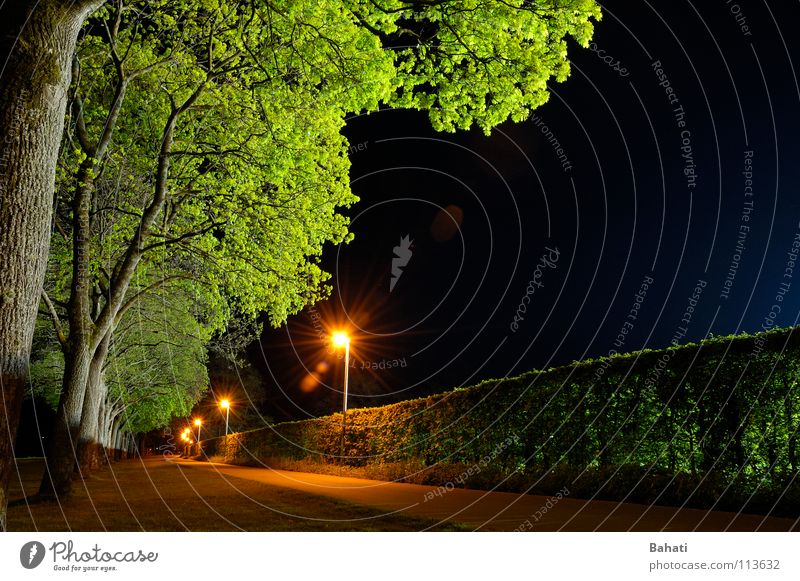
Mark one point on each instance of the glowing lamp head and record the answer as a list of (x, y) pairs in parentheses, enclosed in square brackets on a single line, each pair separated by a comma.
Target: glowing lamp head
[(197, 423), (224, 404), (340, 339)]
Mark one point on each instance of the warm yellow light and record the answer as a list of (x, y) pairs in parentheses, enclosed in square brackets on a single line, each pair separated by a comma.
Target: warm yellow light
[(225, 404), (197, 423), (340, 339)]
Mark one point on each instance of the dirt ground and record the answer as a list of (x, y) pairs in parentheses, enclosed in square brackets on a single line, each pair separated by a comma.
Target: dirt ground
[(155, 495)]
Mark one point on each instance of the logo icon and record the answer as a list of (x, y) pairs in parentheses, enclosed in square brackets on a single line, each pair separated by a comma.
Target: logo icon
[(402, 254), (31, 554)]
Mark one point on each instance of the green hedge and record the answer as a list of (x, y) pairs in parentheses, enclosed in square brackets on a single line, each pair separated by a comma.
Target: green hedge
[(711, 424)]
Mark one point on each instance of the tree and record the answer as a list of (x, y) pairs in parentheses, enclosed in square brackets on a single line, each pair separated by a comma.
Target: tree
[(212, 69), (211, 187), (155, 369), (35, 51)]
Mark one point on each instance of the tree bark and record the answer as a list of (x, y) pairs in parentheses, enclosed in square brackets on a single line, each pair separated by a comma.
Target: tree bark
[(82, 344), (103, 428), (61, 456), (110, 422), (116, 435), (88, 436), (36, 50)]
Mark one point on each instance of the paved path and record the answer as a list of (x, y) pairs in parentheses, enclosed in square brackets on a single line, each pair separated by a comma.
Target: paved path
[(499, 511)]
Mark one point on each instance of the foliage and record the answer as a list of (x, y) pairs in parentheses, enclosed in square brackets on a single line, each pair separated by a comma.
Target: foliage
[(258, 165), (47, 365), (204, 142), (713, 423), (481, 61), (156, 368)]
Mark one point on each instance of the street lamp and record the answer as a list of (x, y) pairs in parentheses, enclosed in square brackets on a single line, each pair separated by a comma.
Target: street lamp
[(226, 405), (198, 423), (341, 339)]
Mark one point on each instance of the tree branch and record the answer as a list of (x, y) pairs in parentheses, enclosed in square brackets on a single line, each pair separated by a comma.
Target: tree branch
[(141, 293), (127, 266), (77, 110), (183, 237), (62, 337)]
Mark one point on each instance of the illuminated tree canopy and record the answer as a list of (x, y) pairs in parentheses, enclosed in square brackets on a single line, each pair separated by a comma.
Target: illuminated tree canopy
[(203, 143)]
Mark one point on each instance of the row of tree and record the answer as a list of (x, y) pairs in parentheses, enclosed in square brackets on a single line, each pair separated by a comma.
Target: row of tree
[(202, 162)]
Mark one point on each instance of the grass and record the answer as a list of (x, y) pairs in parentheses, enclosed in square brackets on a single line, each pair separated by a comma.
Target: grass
[(152, 494)]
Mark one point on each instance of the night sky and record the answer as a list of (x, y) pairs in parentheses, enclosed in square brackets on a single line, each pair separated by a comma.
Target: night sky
[(653, 199)]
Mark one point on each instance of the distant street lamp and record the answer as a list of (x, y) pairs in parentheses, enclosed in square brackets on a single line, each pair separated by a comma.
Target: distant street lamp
[(341, 339), (226, 405), (198, 423)]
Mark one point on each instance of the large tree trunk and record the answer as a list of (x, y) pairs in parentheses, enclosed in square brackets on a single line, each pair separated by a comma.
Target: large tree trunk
[(116, 436), (104, 428), (88, 436), (119, 453), (61, 456), (109, 429), (82, 344), (36, 50)]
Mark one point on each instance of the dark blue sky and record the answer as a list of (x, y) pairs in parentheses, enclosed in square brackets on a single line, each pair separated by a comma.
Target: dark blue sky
[(632, 173)]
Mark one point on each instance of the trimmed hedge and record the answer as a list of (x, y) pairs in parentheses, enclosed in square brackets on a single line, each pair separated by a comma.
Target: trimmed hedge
[(710, 424)]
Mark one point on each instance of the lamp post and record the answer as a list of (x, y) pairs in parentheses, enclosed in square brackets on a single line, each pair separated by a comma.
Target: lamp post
[(198, 423), (226, 405), (341, 339)]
